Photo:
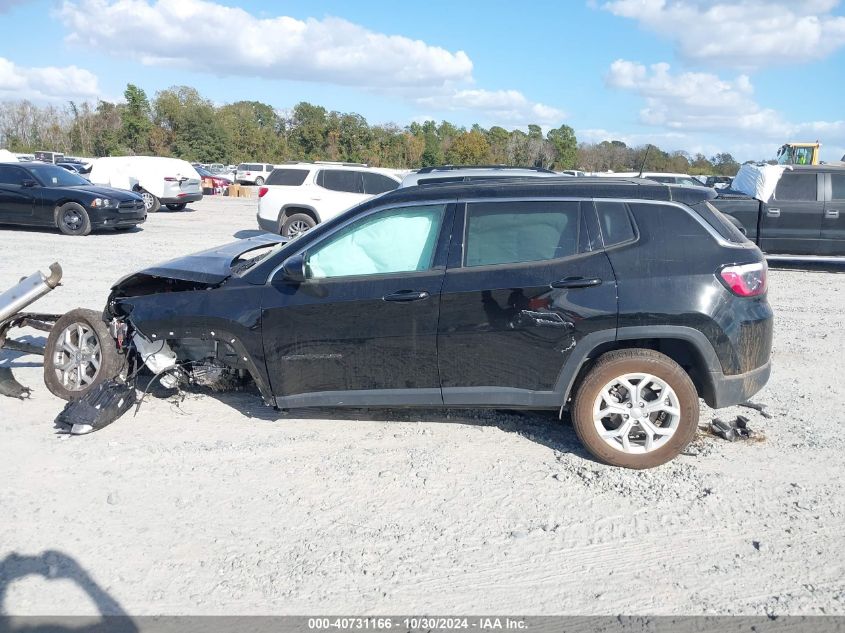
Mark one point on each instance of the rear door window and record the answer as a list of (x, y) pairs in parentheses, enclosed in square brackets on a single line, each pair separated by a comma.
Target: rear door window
[(797, 187), (615, 222), (378, 183), (345, 180), (287, 177), (524, 231)]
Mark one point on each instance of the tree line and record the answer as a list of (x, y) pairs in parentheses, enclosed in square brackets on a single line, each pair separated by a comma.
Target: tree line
[(182, 123)]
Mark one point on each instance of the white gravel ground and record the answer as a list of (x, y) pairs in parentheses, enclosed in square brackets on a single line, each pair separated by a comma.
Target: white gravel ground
[(222, 506)]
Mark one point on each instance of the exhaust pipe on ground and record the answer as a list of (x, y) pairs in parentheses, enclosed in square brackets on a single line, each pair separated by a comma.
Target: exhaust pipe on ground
[(28, 291)]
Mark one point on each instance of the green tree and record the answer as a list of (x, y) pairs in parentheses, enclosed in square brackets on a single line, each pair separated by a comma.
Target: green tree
[(469, 148), (565, 145), (136, 120)]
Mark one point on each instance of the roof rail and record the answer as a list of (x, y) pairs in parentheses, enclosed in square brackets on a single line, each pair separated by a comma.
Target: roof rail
[(323, 162), (428, 170)]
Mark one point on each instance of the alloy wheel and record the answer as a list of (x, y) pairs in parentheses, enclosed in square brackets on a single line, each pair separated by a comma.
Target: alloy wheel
[(77, 357)]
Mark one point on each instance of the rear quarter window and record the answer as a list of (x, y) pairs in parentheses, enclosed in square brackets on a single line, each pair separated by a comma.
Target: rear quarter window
[(615, 222), (719, 221), (287, 177)]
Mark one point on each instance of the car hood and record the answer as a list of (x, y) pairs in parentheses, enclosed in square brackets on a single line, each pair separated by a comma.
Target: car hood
[(210, 267), (107, 192)]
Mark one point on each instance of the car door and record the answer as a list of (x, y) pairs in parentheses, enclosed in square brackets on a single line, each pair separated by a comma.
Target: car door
[(792, 220), (362, 328), (338, 190), (18, 197), (833, 222), (523, 286)]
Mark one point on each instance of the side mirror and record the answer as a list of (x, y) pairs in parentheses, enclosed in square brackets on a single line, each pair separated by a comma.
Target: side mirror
[(294, 268), (28, 183)]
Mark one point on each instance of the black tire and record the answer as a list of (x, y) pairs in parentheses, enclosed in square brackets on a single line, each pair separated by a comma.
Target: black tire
[(151, 203), (259, 181), (72, 219), (66, 384), (177, 207), (296, 224), (614, 365)]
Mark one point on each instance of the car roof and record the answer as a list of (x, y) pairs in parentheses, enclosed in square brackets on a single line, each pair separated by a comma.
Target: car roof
[(385, 171), (557, 187), (823, 168)]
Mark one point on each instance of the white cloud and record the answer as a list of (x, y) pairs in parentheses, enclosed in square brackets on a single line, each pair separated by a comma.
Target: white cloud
[(690, 102), (503, 106), (209, 37), (741, 33), (47, 83)]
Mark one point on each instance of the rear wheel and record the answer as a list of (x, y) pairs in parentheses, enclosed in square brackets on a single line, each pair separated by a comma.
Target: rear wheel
[(636, 408), (151, 203), (259, 181), (72, 219), (297, 224), (79, 355), (177, 207)]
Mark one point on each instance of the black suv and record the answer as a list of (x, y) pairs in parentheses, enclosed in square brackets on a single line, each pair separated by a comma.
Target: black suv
[(623, 301)]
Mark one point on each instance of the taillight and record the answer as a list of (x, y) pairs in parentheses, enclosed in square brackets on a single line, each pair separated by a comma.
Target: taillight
[(262, 191), (746, 280)]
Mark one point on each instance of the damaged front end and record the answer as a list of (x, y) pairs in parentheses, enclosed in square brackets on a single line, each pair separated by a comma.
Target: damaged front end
[(189, 322)]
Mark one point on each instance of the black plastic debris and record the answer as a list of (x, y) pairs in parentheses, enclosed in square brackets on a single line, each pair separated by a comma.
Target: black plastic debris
[(98, 408), (11, 387), (732, 431)]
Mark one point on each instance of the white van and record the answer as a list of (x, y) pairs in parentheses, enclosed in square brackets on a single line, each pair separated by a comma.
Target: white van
[(159, 181)]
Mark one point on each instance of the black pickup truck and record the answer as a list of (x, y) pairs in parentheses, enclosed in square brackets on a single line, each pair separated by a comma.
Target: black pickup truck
[(806, 215)]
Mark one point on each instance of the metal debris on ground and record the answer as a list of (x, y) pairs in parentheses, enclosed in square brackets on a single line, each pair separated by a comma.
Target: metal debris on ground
[(732, 431), (757, 407), (98, 408)]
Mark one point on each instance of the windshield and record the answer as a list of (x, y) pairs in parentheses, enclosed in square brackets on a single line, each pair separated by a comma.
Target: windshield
[(53, 176)]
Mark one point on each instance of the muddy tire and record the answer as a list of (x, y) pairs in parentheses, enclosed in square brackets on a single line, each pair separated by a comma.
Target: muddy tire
[(297, 224), (636, 408), (72, 219), (79, 355), (177, 207), (151, 203)]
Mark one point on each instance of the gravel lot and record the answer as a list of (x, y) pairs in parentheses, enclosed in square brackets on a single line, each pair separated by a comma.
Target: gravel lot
[(218, 505)]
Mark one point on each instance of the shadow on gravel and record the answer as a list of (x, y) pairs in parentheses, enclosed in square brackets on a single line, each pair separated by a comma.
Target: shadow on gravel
[(245, 233), (809, 266), (54, 565)]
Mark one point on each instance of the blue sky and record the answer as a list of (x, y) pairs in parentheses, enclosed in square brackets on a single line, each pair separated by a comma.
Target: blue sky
[(741, 76)]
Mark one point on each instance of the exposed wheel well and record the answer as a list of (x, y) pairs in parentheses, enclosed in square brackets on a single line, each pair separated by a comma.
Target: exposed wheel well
[(683, 352), (289, 211)]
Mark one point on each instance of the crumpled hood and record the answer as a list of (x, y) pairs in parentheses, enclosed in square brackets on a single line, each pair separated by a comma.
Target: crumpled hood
[(207, 267)]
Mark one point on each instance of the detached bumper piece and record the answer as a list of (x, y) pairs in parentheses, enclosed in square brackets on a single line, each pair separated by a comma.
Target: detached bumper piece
[(98, 408), (10, 387)]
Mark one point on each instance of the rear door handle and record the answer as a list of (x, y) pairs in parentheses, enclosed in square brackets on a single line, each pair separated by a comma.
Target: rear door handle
[(406, 295), (576, 282), (773, 213), (831, 213)]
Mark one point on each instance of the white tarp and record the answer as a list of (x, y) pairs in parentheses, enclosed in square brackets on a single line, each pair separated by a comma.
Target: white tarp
[(7, 157), (758, 181)]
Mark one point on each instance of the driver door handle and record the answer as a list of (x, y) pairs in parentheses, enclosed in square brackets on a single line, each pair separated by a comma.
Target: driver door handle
[(773, 213), (831, 213), (406, 295), (576, 282)]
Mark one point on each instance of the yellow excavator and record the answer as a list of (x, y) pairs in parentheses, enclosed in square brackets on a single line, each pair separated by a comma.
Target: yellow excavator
[(799, 154)]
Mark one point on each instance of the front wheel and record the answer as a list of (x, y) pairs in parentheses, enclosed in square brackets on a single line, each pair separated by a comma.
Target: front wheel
[(151, 203), (177, 207), (72, 219), (79, 355), (636, 408)]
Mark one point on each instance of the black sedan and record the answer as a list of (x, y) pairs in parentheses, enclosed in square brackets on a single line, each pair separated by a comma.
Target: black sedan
[(38, 194)]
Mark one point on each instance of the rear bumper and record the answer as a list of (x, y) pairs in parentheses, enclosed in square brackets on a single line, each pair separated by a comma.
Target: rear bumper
[(267, 225), (730, 390), (188, 197)]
